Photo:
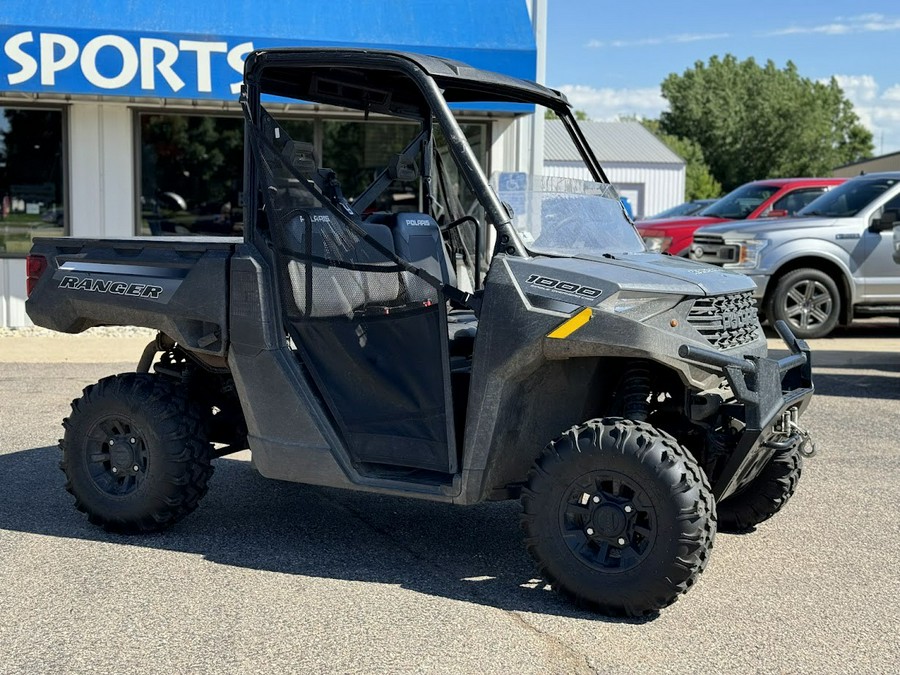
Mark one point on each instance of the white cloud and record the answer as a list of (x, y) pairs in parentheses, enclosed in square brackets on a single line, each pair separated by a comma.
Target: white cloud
[(878, 109), (608, 104), (864, 23), (681, 38), (858, 88), (892, 93)]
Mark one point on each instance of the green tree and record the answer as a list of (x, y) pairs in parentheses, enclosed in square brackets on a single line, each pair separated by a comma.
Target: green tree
[(755, 121), (699, 183), (580, 115)]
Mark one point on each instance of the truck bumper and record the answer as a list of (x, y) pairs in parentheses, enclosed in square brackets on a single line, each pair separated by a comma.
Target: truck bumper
[(773, 394)]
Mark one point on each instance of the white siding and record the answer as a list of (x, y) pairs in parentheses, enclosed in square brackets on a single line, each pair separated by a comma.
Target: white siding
[(504, 146), (662, 185), (12, 293), (101, 174)]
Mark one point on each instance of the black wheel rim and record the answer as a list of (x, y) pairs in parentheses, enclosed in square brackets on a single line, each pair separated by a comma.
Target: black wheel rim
[(116, 456), (808, 304), (608, 521)]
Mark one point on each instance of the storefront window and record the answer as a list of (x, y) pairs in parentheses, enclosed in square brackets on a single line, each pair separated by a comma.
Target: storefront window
[(357, 151), (32, 199), (190, 174), (192, 167)]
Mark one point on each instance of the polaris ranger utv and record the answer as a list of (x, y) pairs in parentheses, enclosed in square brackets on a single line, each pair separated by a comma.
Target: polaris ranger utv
[(524, 345)]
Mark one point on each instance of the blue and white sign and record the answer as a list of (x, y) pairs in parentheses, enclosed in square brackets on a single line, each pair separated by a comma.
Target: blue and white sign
[(512, 188), (77, 61), (195, 50)]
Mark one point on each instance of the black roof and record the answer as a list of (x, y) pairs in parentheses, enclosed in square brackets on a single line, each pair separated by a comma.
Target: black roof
[(379, 80)]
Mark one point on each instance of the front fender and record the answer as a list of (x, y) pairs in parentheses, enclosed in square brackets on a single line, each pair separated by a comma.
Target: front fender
[(781, 255)]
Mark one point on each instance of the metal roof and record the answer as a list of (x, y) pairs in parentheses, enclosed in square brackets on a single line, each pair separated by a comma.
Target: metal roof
[(612, 142)]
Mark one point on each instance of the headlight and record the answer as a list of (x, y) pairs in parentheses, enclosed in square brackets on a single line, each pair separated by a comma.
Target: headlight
[(641, 306), (657, 244), (747, 253)]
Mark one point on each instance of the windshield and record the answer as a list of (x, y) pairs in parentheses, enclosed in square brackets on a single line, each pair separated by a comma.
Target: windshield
[(848, 199), (567, 216), (740, 203)]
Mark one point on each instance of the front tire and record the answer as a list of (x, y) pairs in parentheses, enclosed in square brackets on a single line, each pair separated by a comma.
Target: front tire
[(765, 496), (619, 517), (807, 300), (135, 453)]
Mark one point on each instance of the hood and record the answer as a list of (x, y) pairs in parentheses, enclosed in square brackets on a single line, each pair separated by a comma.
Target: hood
[(668, 224), (653, 273), (746, 228)]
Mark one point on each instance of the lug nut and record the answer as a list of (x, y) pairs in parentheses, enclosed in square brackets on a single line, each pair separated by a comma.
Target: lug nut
[(136, 467), (621, 541), (115, 470), (132, 440), (628, 509), (112, 441), (596, 499), (590, 531)]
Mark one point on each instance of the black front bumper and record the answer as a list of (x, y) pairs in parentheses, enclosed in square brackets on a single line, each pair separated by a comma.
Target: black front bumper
[(767, 389)]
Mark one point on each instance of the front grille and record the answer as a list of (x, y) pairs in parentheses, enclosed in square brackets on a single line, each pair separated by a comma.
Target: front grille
[(711, 248), (726, 321)]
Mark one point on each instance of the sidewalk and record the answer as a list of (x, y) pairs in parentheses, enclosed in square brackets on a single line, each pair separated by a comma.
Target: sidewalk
[(97, 345)]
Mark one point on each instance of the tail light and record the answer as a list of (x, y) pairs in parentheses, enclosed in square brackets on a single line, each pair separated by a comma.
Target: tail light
[(35, 266)]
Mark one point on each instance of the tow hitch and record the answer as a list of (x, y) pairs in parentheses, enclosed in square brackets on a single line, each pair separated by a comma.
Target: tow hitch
[(793, 434)]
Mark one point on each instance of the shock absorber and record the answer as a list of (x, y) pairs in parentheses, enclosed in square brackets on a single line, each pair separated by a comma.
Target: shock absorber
[(636, 390)]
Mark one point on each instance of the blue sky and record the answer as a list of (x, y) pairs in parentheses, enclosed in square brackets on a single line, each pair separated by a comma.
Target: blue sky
[(610, 57)]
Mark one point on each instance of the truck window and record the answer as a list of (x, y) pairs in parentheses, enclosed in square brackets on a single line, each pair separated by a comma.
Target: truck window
[(796, 200)]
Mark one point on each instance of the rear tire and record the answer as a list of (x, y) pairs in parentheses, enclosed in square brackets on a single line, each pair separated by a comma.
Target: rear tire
[(765, 496), (807, 300), (135, 453), (619, 517)]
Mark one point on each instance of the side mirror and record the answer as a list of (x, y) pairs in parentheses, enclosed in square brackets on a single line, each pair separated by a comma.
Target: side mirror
[(883, 222), (777, 213)]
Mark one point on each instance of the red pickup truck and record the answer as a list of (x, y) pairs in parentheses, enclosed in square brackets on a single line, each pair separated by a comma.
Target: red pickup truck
[(775, 198)]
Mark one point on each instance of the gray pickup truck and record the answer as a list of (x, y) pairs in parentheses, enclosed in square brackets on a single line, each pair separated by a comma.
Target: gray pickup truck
[(823, 268)]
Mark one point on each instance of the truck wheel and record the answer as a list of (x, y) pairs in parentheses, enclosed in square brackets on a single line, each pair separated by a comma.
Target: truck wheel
[(765, 496), (808, 300), (618, 517), (135, 453)]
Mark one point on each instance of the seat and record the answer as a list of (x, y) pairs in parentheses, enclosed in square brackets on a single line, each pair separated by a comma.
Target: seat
[(338, 291), (417, 239)]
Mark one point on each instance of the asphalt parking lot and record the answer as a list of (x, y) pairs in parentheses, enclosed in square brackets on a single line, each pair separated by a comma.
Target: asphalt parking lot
[(276, 577)]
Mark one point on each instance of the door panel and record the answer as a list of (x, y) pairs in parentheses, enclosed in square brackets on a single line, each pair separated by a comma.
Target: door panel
[(881, 273), (372, 335)]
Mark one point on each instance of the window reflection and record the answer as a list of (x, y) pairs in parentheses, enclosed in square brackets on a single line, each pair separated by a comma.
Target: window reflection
[(32, 200), (191, 169)]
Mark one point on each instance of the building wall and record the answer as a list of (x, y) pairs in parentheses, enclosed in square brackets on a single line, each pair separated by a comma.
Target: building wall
[(662, 184), (101, 170), (101, 190), (12, 293), (885, 163)]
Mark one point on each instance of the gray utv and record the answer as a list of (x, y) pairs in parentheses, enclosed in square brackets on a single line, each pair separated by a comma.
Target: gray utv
[(514, 343)]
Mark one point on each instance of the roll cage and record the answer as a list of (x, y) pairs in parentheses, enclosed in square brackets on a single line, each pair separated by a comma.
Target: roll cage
[(402, 85)]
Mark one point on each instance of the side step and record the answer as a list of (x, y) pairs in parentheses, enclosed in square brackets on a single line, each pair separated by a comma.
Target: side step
[(876, 310)]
